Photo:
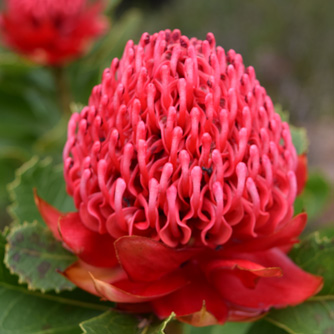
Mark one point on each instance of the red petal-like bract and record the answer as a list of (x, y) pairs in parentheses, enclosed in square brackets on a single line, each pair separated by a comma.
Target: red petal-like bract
[(301, 172), (184, 179), (51, 32)]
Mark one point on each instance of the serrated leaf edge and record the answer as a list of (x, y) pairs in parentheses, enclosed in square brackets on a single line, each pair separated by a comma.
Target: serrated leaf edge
[(17, 181), (20, 276)]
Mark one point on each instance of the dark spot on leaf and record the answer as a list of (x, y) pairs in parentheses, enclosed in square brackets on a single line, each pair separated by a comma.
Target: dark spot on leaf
[(37, 241), (318, 318), (51, 248), (16, 257), (19, 237), (34, 238), (43, 268)]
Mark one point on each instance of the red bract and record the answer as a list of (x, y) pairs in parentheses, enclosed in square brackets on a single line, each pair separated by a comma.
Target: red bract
[(184, 180), (51, 31)]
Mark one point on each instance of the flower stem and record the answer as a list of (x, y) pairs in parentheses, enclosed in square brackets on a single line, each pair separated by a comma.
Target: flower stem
[(63, 90)]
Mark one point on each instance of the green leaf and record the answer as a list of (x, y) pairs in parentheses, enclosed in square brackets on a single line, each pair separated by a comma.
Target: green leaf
[(110, 323), (52, 142), (23, 311), (49, 182), (283, 113), (113, 322), (298, 134), (86, 72), (299, 139), (157, 327), (5, 275), (35, 256), (312, 317), (264, 327), (227, 328), (315, 254), (8, 163), (113, 43), (232, 328), (28, 110), (112, 4), (314, 196)]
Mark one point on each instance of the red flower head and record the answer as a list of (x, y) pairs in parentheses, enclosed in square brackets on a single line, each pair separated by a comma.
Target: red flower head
[(50, 31), (184, 180)]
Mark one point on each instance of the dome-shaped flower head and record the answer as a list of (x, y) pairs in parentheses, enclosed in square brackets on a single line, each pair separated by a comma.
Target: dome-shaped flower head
[(51, 32), (183, 176)]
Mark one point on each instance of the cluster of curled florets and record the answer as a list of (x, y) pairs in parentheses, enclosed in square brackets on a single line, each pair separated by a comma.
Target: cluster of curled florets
[(180, 143), (184, 178)]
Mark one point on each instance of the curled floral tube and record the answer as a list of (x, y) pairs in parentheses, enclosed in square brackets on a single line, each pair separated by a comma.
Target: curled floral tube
[(184, 179)]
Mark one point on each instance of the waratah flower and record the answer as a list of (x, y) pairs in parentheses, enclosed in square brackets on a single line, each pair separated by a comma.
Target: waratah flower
[(183, 176), (50, 31)]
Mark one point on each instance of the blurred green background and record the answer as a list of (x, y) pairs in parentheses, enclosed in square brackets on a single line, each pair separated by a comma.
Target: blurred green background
[(290, 44)]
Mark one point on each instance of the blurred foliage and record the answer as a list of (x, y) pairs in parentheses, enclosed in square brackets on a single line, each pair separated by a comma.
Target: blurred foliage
[(28, 109), (290, 44), (315, 196), (33, 121), (315, 254)]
